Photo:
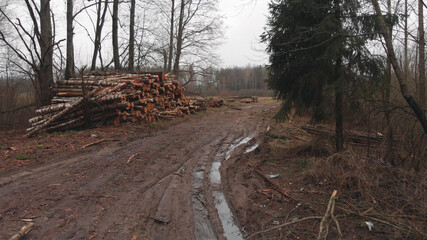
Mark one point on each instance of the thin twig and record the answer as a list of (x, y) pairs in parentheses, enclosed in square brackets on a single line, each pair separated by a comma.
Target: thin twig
[(283, 225), (131, 157), (99, 141), (325, 218)]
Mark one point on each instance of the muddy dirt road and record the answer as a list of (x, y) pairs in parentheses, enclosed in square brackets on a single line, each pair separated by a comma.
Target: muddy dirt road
[(164, 185)]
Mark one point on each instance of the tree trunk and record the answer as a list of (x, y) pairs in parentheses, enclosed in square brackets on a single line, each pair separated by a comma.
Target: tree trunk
[(412, 102), (69, 65), (98, 31), (115, 35), (389, 138), (422, 63), (131, 66), (46, 50), (339, 126), (169, 67), (179, 38), (405, 42), (165, 60)]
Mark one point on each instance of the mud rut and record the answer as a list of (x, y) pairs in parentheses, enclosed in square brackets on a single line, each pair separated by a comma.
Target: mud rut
[(171, 190)]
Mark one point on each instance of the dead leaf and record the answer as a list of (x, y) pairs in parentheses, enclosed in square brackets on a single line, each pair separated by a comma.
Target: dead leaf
[(134, 238), (13, 148)]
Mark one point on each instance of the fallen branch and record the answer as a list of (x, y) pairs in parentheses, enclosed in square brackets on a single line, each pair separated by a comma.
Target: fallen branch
[(24, 231), (97, 142), (323, 231), (283, 225), (275, 186)]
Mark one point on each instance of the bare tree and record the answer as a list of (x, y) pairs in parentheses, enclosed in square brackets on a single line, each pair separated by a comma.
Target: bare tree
[(389, 137), (131, 64), (70, 65), (115, 37), (422, 63), (37, 47), (46, 50), (169, 65), (198, 31), (409, 98), (179, 38), (405, 42), (100, 19)]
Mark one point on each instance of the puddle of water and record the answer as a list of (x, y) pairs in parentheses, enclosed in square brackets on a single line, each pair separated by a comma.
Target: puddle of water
[(198, 179), (231, 231), (215, 175), (236, 145), (251, 148)]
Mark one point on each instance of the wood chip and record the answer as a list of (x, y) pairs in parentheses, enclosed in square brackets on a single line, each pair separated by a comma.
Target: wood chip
[(131, 157)]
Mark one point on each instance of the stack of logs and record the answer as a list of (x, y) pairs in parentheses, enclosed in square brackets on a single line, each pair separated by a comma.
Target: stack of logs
[(100, 97), (245, 99)]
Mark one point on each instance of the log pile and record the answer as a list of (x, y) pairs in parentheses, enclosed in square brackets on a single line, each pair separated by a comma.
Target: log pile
[(119, 97), (204, 103), (249, 100), (357, 138), (244, 99)]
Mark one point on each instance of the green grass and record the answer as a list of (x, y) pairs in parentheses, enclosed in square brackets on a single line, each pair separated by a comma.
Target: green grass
[(22, 156)]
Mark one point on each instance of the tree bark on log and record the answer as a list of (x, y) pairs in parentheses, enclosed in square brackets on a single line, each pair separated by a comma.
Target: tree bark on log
[(65, 111), (23, 232)]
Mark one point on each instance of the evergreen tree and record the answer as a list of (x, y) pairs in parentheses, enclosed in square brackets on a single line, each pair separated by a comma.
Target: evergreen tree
[(316, 45)]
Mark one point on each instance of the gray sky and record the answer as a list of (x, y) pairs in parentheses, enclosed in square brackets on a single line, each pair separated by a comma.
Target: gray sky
[(245, 21)]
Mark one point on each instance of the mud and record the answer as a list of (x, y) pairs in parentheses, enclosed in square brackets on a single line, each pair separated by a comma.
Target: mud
[(167, 191)]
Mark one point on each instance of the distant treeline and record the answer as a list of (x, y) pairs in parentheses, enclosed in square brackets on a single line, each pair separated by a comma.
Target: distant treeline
[(238, 78), (249, 80)]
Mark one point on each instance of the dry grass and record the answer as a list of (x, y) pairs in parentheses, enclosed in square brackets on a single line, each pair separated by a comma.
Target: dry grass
[(369, 189), (16, 105)]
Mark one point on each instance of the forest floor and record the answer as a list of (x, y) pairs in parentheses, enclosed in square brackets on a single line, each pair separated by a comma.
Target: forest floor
[(204, 176)]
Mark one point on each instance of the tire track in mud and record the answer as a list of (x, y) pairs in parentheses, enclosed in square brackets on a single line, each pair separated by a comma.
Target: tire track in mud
[(100, 195)]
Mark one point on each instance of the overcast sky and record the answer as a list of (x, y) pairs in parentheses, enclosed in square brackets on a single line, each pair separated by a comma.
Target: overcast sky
[(244, 21)]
